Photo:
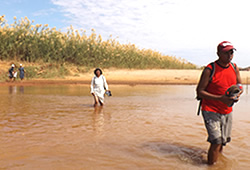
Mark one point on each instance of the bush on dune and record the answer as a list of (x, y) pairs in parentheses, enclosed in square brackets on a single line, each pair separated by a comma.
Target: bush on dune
[(25, 41)]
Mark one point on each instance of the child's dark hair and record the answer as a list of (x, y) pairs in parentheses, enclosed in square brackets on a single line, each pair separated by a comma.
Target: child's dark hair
[(97, 70)]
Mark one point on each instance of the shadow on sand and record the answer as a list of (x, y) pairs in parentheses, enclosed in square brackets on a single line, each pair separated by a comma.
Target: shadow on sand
[(192, 155)]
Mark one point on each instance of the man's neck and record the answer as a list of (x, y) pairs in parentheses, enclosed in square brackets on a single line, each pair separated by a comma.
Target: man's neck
[(222, 63)]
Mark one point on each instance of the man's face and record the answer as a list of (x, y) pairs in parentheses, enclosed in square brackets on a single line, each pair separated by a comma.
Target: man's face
[(227, 56)]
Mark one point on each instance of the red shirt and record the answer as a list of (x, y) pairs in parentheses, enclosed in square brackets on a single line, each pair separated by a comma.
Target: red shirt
[(223, 78)]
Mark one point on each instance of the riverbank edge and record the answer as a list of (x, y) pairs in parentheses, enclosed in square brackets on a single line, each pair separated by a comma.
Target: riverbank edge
[(128, 77), (87, 82)]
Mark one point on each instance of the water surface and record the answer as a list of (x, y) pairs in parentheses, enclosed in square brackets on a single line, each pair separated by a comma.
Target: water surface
[(140, 127)]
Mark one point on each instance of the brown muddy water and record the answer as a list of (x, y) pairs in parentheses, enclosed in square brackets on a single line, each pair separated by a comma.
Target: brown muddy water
[(140, 127)]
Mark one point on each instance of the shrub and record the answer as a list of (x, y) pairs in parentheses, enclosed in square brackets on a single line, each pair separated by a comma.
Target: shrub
[(25, 41)]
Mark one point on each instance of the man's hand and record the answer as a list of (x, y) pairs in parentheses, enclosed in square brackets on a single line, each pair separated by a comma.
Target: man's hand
[(228, 100)]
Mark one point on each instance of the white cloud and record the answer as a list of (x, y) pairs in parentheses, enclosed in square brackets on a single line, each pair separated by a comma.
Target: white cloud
[(45, 12), (188, 29)]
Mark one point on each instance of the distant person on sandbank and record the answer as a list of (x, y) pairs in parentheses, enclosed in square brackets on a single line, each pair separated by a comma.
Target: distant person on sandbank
[(21, 72), (11, 72), (98, 87), (217, 101)]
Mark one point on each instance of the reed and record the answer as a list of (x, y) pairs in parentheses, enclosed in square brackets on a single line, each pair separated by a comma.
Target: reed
[(24, 40)]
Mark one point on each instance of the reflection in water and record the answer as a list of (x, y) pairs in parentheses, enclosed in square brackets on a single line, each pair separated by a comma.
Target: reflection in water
[(99, 119), (21, 89), (13, 89)]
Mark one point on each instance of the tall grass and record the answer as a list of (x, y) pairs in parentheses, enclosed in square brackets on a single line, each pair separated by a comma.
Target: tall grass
[(25, 41)]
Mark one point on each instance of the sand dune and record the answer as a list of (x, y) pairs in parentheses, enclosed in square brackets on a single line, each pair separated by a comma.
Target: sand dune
[(154, 76)]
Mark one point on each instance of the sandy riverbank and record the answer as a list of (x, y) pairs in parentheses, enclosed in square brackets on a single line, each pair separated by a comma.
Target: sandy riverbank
[(131, 77)]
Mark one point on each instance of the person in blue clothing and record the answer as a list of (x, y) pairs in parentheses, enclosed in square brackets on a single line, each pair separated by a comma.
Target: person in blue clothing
[(21, 72), (11, 72)]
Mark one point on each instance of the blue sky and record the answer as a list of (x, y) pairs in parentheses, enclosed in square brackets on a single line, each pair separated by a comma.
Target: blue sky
[(190, 29)]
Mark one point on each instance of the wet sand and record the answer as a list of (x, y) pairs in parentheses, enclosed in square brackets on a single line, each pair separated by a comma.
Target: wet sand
[(130, 77)]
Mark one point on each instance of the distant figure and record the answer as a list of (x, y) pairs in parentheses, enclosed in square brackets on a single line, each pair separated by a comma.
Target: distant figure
[(11, 72), (21, 72), (98, 87), (212, 89)]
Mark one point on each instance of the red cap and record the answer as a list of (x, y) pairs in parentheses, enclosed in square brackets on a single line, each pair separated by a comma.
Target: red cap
[(225, 46)]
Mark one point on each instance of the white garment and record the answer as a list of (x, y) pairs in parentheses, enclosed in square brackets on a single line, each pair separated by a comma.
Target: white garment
[(98, 87), (15, 74)]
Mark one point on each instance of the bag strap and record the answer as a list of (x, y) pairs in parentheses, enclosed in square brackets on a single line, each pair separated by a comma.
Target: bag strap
[(234, 66), (103, 83), (211, 75), (212, 71), (210, 79)]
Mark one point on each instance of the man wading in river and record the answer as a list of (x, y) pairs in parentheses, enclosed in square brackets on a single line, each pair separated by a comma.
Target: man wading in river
[(216, 105)]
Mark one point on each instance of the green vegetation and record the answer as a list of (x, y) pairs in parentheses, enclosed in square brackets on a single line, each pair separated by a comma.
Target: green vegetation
[(25, 41), (46, 71)]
